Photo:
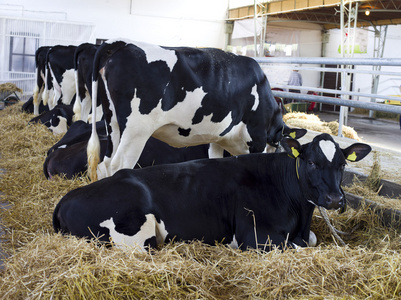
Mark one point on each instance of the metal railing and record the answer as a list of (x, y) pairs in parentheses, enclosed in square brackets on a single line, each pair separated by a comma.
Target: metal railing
[(337, 61), (345, 68)]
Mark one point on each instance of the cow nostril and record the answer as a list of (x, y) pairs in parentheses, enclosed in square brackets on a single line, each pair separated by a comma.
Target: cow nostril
[(334, 200)]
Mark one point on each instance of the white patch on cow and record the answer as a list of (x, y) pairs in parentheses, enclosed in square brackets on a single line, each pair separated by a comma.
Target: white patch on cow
[(312, 239), (151, 228), (215, 151), (105, 168), (157, 53), (61, 128), (256, 95), (153, 52), (234, 243), (62, 146), (328, 148), (57, 89), (67, 86)]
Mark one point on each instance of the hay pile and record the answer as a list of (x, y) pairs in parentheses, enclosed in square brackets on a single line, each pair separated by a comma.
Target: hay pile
[(312, 122), (44, 265), (9, 87)]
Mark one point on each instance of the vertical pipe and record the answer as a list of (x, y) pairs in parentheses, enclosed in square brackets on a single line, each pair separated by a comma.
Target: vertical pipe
[(341, 117), (255, 31)]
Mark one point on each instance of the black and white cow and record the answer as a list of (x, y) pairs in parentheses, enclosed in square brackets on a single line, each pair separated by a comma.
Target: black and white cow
[(40, 61), (59, 76), (79, 131), (83, 62), (184, 97), (68, 156), (71, 161), (256, 199), (57, 119)]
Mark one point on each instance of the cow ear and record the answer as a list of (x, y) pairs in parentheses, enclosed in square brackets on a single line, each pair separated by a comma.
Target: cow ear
[(292, 147), (294, 133), (356, 151)]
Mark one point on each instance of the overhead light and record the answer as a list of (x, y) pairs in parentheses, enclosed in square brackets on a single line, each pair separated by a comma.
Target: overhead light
[(367, 12)]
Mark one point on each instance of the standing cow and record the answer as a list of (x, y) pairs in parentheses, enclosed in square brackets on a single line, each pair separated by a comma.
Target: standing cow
[(59, 76), (40, 61), (83, 61), (257, 200), (184, 97)]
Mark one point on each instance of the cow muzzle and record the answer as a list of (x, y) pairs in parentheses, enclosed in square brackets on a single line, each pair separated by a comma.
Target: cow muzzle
[(334, 201)]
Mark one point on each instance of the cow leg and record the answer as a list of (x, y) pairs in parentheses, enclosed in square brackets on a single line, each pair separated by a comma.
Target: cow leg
[(215, 151), (85, 107), (267, 241), (128, 152)]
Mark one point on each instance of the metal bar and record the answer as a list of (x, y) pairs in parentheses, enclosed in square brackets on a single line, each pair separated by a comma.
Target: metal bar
[(336, 101), (337, 70), (330, 91), (331, 61)]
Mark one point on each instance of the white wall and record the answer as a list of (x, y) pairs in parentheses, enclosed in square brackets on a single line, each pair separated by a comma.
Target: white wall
[(388, 85), (170, 23)]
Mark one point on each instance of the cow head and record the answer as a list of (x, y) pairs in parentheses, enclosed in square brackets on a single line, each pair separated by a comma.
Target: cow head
[(285, 131), (320, 167)]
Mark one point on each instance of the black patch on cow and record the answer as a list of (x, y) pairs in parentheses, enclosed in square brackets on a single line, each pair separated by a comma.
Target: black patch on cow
[(184, 132)]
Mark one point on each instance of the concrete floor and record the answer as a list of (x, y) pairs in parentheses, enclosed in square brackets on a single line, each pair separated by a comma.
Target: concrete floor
[(383, 136)]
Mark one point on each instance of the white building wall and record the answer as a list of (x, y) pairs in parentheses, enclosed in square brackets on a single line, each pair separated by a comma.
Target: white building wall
[(388, 85), (170, 23)]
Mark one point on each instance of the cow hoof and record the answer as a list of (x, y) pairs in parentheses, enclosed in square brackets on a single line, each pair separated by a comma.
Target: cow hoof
[(312, 239)]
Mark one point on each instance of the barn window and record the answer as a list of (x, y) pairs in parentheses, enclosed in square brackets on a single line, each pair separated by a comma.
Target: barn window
[(22, 52)]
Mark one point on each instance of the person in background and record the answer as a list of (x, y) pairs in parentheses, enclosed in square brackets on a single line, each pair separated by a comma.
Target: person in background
[(295, 79)]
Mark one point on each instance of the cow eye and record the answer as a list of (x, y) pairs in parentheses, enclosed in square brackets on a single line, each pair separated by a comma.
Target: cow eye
[(311, 164), (342, 167)]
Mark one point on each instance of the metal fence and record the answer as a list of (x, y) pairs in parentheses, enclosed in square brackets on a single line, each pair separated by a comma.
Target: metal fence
[(396, 62), (344, 97)]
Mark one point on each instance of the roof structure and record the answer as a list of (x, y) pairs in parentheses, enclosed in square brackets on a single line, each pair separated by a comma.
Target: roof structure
[(324, 12)]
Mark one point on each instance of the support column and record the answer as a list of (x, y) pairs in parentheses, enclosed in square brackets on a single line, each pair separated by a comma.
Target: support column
[(379, 43)]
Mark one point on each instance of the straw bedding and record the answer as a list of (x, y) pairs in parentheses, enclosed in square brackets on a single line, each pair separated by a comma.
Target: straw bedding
[(42, 265)]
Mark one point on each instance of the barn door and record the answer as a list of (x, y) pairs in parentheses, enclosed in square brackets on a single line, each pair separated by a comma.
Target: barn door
[(332, 80)]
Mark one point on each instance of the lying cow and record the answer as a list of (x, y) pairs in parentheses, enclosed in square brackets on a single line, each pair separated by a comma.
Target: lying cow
[(71, 161), (184, 97), (79, 131), (256, 200), (68, 156), (57, 120)]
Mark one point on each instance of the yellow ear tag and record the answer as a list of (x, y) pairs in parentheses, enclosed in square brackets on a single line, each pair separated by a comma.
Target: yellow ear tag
[(295, 152), (293, 135), (352, 157)]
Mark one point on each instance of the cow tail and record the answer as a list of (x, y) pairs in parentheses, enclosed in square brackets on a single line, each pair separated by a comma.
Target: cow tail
[(37, 85), (93, 149), (57, 226), (36, 94), (45, 96), (77, 104), (45, 167)]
